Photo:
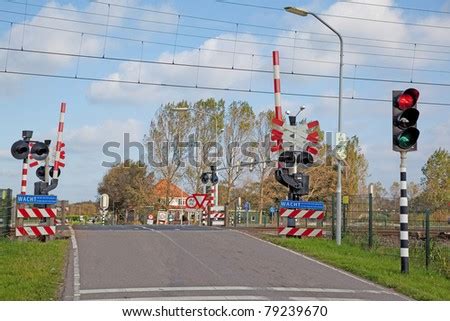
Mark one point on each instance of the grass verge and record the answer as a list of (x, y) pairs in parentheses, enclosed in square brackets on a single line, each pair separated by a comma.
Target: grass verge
[(419, 284), (31, 270)]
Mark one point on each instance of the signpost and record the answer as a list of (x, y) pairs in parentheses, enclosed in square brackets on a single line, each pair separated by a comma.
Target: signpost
[(292, 209), (307, 205), (104, 204), (200, 199), (36, 199), (191, 202)]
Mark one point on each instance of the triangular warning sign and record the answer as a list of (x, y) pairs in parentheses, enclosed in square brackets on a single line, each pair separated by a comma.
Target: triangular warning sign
[(200, 198)]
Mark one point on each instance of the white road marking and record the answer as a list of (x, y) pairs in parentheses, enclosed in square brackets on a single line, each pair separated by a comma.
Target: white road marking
[(326, 265), (193, 298), (76, 266), (309, 298), (225, 288)]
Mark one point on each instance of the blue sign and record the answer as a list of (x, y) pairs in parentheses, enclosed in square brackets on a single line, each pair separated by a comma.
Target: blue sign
[(303, 205), (247, 206), (272, 210), (36, 199)]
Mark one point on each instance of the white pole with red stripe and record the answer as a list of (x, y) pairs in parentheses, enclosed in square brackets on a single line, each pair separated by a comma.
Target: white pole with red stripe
[(278, 120), (23, 185), (59, 142)]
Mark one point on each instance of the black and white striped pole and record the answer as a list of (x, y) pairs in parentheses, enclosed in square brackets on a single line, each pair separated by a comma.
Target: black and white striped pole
[(404, 139), (404, 235)]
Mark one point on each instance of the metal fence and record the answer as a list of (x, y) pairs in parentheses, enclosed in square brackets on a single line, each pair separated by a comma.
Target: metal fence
[(6, 210)]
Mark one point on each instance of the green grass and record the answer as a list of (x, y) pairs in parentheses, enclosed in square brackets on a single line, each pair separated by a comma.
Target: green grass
[(31, 270), (419, 284)]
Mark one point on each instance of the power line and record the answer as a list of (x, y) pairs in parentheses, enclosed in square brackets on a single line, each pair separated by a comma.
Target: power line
[(206, 87), (269, 27), (393, 7), (234, 23), (222, 51), (220, 68), (221, 30), (340, 16), (230, 40)]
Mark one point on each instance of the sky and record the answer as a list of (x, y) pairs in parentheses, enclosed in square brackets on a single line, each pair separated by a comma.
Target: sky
[(139, 45)]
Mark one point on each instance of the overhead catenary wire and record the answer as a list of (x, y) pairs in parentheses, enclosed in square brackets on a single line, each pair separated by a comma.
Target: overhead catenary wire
[(340, 16), (198, 66), (201, 87), (139, 40), (234, 40), (393, 7), (230, 22)]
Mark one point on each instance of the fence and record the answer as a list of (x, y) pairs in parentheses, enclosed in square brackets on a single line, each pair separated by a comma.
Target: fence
[(6, 210)]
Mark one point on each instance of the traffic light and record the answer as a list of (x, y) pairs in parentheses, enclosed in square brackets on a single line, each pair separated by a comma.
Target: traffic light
[(404, 120)]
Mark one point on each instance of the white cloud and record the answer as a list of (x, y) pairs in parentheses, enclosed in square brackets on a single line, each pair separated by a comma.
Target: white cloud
[(90, 139), (180, 75)]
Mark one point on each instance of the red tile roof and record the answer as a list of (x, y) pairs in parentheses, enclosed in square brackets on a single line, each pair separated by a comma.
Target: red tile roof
[(161, 187)]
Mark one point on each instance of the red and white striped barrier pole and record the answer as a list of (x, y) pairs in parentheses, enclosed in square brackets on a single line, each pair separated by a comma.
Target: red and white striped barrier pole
[(278, 120), (276, 85), (59, 142), (23, 185)]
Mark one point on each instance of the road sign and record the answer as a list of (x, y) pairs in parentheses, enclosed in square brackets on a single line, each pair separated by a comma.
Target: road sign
[(36, 199), (191, 202), (272, 210), (218, 208), (246, 206), (303, 205), (200, 198), (104, 201), (170, 217)]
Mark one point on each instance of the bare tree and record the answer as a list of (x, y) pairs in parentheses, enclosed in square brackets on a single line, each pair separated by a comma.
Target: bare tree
[(166, 143), (239, 122), (261, 134), (207, 118)]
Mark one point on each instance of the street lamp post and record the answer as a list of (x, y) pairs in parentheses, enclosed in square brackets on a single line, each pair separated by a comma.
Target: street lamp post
[(303, 13)]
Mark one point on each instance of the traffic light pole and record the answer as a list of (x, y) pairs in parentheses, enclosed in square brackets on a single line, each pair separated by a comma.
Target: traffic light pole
[(404, 237)]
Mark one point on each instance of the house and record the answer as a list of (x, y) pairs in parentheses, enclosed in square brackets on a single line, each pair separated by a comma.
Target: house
[(171, 199)]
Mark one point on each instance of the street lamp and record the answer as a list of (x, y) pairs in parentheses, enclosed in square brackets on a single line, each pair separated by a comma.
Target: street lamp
[(304, 13)]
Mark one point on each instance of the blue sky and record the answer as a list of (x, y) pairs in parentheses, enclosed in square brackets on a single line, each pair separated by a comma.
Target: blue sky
[(98, 112)]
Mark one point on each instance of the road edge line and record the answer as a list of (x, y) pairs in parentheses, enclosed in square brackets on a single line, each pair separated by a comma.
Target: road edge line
[(328, 266), (76, 266)]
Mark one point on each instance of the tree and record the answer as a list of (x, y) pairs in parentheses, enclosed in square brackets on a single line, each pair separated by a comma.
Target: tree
[(83, 208), (261, 134), (395, 190), (165, 142), (436, 182), (207, 118), (129, 185), (239, 124), (355, 173)]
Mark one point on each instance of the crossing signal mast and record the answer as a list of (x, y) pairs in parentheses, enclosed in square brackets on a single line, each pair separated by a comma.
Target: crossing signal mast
[(404, 139)]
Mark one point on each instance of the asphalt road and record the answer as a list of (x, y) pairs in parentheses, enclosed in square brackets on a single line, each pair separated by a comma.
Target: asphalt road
[(200, 263)]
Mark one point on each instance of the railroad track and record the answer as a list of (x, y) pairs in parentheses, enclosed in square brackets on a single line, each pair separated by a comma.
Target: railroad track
[(414, 232)]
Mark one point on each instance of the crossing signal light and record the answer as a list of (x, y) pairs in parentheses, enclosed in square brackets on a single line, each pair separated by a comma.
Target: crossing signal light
[(20, 149), (292, 158), (404, 120), (40, 172), (39, 151)]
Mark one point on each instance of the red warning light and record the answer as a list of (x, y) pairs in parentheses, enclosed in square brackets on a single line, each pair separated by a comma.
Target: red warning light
[(408, 98)]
